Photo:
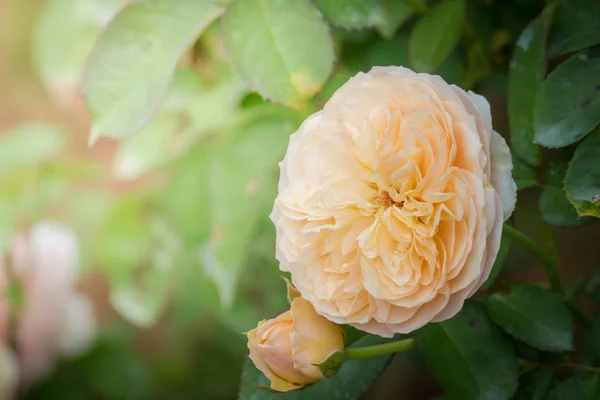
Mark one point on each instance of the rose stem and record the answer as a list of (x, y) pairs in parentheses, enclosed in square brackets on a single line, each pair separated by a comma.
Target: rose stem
[(546, 259), (356, 353)]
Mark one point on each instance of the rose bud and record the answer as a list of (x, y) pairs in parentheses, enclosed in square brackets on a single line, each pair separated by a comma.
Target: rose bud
[(292, 349)]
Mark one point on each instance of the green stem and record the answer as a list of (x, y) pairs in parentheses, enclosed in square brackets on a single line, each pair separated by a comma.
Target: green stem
[(356, 353), (548, 262)]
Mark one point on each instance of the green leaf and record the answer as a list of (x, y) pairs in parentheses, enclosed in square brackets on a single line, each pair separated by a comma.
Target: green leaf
[(568, 103), (63, 38), (535, 385), (524, 175), (534, 315), (124, 240), (395, 13), (351, 381), (281, 49), (575, 27), (28, 145), (187, 201), (242, 186), (141, 298), (582, 182), (595, 333), (436, 34), (351, 13), (558, 211), (582, 386), (527, 70), (469, 356), (497, 267), (133, 61)]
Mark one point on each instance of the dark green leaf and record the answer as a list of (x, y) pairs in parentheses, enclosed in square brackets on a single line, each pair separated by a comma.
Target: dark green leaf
[(558, 211), (524, 175), (568, 103), (582, 386), (497, 267), (352, 13), (470, 356), (133, 61), (582, 182), (395, 13), (576, 26), (595, 334), (436, 34), (526, 75), (534, 315), (296, 51), (352, 380), (535, 385)]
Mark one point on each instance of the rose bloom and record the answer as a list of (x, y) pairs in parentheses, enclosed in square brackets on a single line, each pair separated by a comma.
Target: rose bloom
[(288, 349), (54, 320), (391, 201)]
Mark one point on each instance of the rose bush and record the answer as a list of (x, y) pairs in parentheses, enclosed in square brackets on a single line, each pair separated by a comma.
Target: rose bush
[(287, 349), (391, 201)]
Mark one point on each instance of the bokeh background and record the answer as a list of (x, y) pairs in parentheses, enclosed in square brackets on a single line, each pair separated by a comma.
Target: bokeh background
[(177, 248)]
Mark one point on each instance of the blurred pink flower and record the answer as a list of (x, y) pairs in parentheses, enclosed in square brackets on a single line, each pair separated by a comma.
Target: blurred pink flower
[(53, 320)]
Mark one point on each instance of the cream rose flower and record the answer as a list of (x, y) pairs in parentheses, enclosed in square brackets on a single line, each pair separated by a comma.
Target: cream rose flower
[(391, 201), (287, 349)]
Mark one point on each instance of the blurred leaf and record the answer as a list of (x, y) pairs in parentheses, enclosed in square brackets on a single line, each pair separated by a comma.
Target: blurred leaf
[(394, 14), (595, 333), (524, 175), (576, 26), (28, 145), (157, 143), (478, 65), (535, 385), (497, 267), (526, 75), (581, 386), (532, 314), (568, 103), (558, 211), (242, 181), (352, 13), (555, 172), (141, 298), (63, 38), (435, 35), (355, 377), (133, 61), (484, 365), (451, 69), (337, 79), (187, 201), (124, 240), (296, 51), (582, 182)]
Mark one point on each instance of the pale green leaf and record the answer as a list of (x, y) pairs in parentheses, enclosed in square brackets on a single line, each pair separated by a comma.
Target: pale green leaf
[(281, 48), (133, 61), (242, 185), (352, 13), (28, 145), (395, 13), (63, 38)]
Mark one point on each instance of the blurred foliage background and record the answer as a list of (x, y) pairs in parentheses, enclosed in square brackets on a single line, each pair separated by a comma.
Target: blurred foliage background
[(178, 250)]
